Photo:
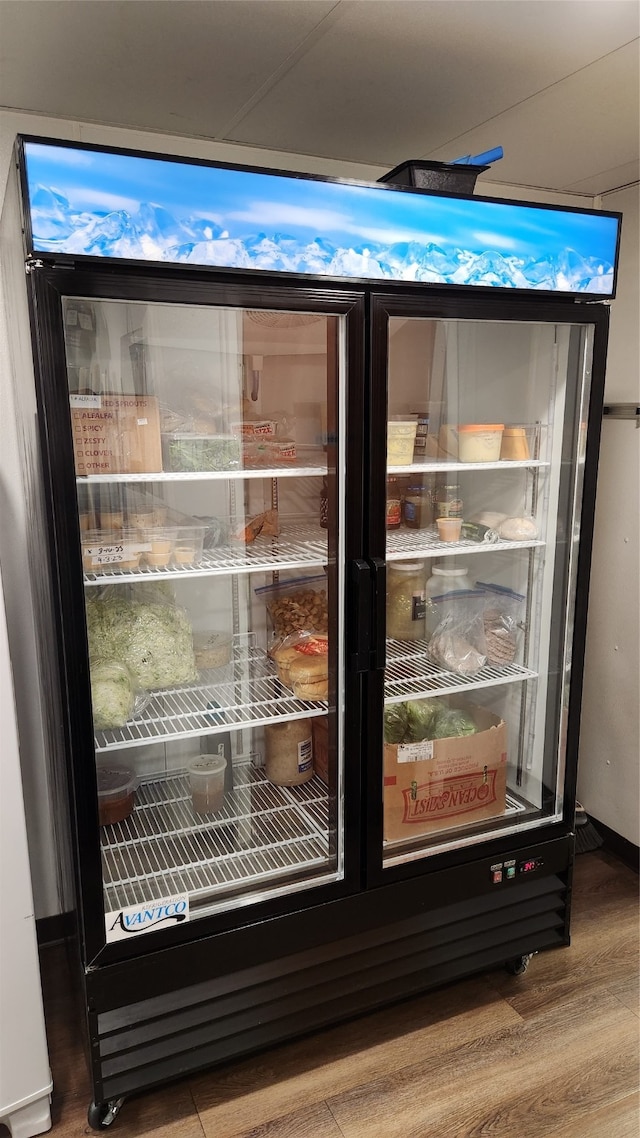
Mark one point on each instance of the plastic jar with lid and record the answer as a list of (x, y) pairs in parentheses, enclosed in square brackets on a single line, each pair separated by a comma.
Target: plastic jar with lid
[(448, 501), (444, 579), (406, 600), (417, 507), (394, 503), (479, 442)]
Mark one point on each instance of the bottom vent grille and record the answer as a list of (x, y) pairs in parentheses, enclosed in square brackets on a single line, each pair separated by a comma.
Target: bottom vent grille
[(143, 1044)]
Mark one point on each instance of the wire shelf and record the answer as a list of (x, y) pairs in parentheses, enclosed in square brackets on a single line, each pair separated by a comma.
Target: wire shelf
[(263, 833), (410, 673), (426, 543), (297, 547), (247, 693), (443, 466), (311, 463)]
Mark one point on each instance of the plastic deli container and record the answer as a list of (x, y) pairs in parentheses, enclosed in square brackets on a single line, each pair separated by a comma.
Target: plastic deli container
[(212, 649), (479, 442), (401, 437), (206, 778), (184, 452), (116, 793), (188, 545), (515, 444)]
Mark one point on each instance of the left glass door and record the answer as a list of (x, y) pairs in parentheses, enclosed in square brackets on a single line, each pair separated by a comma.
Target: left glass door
[(208, 446)]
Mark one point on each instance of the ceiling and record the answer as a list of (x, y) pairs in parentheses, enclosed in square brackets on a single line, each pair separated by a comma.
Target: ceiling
[(554, 82)]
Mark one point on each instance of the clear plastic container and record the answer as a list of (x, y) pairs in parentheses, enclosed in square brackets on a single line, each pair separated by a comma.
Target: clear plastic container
[(116, 793), (479, 442), (161, 543), (406, 600), (188, 545), (212, 649), (444, 579), (206, 779)]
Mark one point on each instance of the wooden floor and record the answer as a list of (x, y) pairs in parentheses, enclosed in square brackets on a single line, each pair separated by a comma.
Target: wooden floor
[(551, 1054)]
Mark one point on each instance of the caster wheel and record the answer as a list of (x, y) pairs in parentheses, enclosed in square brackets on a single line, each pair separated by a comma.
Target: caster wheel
[(102, 1114), (518, 966)]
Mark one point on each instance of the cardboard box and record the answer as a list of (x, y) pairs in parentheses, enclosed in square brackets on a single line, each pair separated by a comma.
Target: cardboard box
[(116, 434), (443, 783)]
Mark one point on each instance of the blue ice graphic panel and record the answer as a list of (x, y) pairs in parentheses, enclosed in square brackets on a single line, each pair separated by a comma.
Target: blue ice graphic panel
[(86, 202)]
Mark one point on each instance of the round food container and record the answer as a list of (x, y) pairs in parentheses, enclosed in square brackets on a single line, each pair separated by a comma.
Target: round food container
[(116, 793), (515, 444), (479, 442), (288, 746), (406, 600), (206, 777), (212, 649)]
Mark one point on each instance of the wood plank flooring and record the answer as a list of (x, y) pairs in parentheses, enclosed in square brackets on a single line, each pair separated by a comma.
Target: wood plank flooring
[(551, 1054)]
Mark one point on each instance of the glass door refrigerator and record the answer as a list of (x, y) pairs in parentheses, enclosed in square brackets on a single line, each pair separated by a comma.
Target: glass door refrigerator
[(320, 491)]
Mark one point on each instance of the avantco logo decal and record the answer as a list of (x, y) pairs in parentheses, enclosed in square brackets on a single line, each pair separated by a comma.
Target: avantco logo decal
[(125, 923)]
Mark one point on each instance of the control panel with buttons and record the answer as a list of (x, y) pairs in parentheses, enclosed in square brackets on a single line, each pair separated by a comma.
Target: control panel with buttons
[(509, 870)]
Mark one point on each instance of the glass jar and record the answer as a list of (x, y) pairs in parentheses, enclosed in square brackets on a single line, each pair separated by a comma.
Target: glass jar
[(288, 747), (406, 600), (444, 579), (448, 501), (394, 503), (417, 507)]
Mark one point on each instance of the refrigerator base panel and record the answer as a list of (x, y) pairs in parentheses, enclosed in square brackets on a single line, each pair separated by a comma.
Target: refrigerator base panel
[(262, 834), (294, 975)]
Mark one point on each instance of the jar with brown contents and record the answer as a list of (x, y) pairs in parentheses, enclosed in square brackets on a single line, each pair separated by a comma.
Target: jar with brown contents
[(288, 752)]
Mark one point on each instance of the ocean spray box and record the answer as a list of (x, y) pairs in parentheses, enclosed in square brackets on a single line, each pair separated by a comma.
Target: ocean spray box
[(443, 783)]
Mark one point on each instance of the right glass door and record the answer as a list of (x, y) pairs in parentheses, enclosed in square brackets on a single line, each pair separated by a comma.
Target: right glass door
[(485, 451)]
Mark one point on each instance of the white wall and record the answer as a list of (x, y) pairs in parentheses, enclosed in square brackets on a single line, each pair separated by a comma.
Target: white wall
[(609, 772), (41, 782)]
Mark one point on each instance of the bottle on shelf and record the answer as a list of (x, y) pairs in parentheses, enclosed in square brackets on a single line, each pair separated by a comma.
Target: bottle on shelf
[(394, 503), (448, 500), (417, 505), (406, 599)]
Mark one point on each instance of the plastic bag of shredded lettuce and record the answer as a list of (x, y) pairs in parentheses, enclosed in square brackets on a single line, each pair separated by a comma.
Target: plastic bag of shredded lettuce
[(145, 630), (112, 694)]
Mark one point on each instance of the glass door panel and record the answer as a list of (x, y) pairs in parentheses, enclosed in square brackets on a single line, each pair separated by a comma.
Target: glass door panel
[(484, 452), (210, 484)]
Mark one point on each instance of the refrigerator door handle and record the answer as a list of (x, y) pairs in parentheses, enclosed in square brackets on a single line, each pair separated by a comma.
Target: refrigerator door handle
[(379, 646), (359, 627)]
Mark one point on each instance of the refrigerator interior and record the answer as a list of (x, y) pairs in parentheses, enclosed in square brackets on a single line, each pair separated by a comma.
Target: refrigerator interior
[(501, 648), (215, 532)]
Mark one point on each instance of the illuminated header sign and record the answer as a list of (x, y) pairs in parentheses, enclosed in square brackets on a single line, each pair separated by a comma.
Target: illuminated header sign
[(85, 202)]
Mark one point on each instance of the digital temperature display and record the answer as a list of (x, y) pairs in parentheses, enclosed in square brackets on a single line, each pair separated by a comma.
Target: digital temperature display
[(530, 865)]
